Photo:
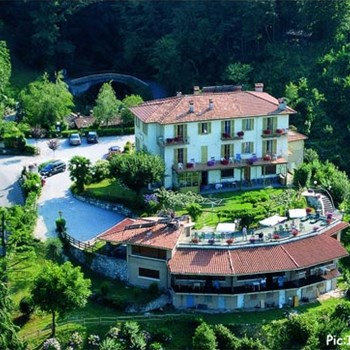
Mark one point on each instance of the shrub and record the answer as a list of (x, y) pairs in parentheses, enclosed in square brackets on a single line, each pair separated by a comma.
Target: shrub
[(76, 340), (153, 289), (224, 337), (194, 210), (104, 288), (113, 333), (60, 225), (204, 338), (94, 340), (156, 346), (26, 305), (31, 150), (51, 344), (109, 344)]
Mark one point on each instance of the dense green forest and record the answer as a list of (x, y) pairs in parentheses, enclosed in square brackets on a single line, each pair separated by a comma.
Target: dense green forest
[(299, 49)]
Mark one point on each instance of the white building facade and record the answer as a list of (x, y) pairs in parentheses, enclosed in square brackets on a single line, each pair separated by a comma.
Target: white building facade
[(216, 139)]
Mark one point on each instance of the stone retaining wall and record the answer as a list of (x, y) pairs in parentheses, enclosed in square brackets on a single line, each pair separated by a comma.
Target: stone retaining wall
[(118, 208), (102, 264)]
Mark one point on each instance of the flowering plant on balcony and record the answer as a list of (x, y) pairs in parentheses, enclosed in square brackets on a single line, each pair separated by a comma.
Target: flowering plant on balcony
[(240, 133), (308, 210), (229, 241), (224, 161), (279, 131), (328, 221), (267, 132), (267, 157), (226, 135), (195, 240), (276, 236), (295, 232), (252, 239)]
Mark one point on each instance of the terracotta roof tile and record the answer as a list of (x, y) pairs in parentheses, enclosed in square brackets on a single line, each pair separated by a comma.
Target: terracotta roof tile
[(227, 105), (289, 256), (295, 136), (131, 231)]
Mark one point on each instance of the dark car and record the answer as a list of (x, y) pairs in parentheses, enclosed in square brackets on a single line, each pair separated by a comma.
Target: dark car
[(74, 139), (54, 167), (92, 137), (113, 150)]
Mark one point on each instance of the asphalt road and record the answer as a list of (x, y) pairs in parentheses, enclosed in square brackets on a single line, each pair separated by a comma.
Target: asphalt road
[(84, 221)]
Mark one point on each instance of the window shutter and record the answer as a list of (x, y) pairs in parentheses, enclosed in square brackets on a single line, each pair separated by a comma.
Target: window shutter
[(265, 123), (185, 155), (199, 128), (209, 128)]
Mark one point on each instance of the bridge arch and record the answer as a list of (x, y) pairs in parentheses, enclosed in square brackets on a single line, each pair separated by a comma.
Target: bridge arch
[(80, 85)]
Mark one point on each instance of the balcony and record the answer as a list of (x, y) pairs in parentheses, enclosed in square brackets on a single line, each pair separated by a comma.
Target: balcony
[(274, 133), (173, 141), (225, 136)]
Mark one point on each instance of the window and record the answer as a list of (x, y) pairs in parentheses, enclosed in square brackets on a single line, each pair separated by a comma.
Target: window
[(204, 128), (269, 147), (270, 169), (227, 151), (148, 252), (180, 130), (148, 273), (248, 124), (247, 147), (270, 123), (180, 155), (190, 179), (145, 128), (227, 173), (227, 127)]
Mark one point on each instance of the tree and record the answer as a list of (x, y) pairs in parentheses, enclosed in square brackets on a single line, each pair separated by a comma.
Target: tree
[(204, 338), (5, 74), (59, 288), (44, 103), (53, 145), (100, 171), (107, 105), (129, 101), (79, 168), (237, 73), (137, 170), (224, 337), (8, 331)]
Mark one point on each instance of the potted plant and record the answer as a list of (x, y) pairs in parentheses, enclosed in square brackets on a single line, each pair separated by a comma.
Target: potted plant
[(276, 236), (267, 132), (279, 131), (252, 239), (195, 240), (308, 211), (229, 241), (226, 135), (328, 221), (267, 157), (240, 133), (295, 232)]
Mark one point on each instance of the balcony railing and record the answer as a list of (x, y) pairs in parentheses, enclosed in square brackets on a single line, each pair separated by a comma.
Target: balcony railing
[(173, 141), (228, 137)]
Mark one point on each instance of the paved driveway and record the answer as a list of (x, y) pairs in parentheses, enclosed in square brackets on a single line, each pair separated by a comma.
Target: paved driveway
[(83, 220)]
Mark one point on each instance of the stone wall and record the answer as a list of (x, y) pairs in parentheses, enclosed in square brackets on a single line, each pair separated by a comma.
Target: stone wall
[(118, 208), (105, 265)]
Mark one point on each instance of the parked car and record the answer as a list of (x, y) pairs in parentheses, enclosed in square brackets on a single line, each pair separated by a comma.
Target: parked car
[(54, 167), (74, 140), (113, 150), (92, 137)]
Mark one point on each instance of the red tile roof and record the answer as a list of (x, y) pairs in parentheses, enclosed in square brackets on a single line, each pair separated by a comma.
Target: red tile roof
[(227, 105), (160, 235), (284, 257), (295, 136)]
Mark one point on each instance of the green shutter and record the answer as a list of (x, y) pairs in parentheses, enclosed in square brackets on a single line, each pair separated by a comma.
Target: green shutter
[(184, 129), (274, 123), (232, 127), (204, 154), (175, 131), (209, 128), (265, 123), (274, 146), (199, 128), (176, 158), (222, 127), (222, 151), (185, 155), (252, 124)]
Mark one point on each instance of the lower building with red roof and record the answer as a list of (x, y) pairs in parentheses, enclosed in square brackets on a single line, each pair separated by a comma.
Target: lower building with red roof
[(228, 271)]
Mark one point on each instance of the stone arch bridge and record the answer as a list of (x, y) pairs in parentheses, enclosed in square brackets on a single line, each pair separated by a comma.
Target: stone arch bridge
[(80, 85)]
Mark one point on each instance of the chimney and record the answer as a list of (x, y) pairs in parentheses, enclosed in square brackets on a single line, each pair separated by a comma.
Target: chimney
[(191, 110), (179, 93), (259, 87), (196, 90), (282, 104), (211, 104)]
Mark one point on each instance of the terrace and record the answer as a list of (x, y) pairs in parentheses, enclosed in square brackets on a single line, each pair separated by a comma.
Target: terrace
[(281, 232)]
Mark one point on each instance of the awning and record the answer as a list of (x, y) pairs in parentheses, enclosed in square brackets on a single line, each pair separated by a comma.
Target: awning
[(226, 227), (297, 213), (273, 220)]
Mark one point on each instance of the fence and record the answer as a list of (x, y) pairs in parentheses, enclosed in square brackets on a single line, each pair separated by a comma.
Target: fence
[(87, 246), (103, 321)]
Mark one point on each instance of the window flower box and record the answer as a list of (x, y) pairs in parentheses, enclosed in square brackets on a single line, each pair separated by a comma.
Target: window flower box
[(267, 132), (229, 241), (240, 133), (226, 135)]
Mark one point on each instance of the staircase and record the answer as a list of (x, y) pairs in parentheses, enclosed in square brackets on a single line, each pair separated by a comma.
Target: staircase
[(326, 204)]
